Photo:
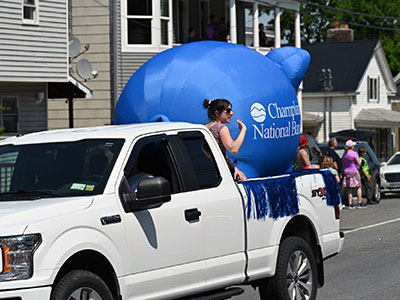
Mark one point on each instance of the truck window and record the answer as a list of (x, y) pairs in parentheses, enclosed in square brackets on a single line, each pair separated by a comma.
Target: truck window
[(203, 162), (152, 159), (58, 169)]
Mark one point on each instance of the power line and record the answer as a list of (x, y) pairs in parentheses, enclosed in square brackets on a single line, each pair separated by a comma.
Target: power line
[(330, 19), (364, 25), (347, 11)]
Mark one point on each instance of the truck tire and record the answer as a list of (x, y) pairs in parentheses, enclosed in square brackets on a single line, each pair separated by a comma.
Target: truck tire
[(81, 285), (296, 273), (376, 191)]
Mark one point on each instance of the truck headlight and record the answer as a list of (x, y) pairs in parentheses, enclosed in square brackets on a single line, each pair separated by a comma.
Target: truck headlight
[(16, 256)]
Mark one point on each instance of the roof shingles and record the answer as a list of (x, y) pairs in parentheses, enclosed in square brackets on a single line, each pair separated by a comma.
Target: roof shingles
[(347, 61)]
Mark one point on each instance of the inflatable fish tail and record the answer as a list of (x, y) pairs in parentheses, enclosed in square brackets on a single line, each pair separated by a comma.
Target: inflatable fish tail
[(293, 62)]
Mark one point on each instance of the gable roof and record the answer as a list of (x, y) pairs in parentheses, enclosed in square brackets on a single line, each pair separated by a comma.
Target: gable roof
[(348, 62)]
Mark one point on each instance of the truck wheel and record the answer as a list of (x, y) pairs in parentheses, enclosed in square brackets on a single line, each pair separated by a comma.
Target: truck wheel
[(81, 285), (376, 192), (296, 273)]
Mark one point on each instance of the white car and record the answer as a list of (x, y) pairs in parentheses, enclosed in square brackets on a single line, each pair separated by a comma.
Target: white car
[(390, 175)]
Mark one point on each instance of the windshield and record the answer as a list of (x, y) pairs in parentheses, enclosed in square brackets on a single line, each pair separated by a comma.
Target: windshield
[(34, 171), (395, 160)]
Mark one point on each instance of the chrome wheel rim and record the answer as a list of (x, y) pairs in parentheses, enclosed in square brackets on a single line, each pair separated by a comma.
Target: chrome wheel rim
[(85, 293), (377, 192), (299, 276)]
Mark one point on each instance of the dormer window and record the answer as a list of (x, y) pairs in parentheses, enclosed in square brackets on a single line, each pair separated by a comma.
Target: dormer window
[(30, 11), (373, 89)]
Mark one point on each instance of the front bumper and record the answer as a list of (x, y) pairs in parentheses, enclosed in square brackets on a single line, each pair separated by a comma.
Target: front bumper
[(40, 293), (388, 187)]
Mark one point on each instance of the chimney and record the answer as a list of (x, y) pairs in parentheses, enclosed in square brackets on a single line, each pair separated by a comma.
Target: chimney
[(340, 33)]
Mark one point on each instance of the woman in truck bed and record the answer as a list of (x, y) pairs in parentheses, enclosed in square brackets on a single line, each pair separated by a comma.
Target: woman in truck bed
[(219, 112)]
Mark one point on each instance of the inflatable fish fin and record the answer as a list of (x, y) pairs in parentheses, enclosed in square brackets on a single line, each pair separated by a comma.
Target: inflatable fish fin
[(159, 118), (293, 61)]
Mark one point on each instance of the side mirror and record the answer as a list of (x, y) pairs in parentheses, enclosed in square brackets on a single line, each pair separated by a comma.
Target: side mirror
[(383, 164), (150, 193)]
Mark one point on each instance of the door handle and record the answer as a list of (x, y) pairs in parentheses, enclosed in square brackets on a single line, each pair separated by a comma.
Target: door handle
[(192, 214)]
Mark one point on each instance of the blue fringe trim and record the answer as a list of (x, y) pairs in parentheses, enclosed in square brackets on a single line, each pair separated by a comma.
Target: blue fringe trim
[(273, 197), (277, 197)]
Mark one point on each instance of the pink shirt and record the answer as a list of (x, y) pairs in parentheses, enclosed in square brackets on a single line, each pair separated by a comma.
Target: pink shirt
[(349, 161)]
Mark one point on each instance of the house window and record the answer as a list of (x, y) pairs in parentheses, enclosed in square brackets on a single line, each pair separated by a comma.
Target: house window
[(165, 19), (30, 10), (147, 25), (373, 89), (9, 114)]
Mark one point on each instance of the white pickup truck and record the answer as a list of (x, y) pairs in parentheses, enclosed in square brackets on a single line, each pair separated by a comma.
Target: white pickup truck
[(150, 211)]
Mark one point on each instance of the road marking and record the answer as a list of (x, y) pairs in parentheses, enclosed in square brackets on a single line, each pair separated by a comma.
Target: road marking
[(372, 226)]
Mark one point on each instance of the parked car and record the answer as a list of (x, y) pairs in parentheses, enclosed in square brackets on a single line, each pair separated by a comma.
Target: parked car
[(390, 175), (374, 167)]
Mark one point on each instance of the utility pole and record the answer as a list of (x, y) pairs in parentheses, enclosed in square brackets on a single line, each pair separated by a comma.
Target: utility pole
[(326, 88)]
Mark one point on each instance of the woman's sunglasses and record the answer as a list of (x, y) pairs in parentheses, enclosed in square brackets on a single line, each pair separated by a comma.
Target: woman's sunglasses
[(228, 111)]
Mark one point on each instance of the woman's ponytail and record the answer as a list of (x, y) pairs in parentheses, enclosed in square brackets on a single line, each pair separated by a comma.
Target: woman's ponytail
[(206, 103)]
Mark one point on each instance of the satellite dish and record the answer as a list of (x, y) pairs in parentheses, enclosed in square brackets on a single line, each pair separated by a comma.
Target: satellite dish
[(74, 47), (84, 69)]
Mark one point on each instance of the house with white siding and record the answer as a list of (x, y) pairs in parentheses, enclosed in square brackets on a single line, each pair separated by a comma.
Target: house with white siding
[(34, 63), (124, 34), (349, 86)]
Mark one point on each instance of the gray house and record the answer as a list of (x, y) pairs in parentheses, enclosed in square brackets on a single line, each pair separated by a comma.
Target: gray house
[(124, 34), (33, 63)]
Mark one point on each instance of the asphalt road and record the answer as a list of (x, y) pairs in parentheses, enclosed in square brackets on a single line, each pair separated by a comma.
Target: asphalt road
[(368, 268)]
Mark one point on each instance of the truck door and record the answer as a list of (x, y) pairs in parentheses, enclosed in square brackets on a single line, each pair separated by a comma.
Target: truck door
[(166, 244), (221, 207)]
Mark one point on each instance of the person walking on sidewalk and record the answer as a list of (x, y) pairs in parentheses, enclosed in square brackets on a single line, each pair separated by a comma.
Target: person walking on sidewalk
[(352, 180)]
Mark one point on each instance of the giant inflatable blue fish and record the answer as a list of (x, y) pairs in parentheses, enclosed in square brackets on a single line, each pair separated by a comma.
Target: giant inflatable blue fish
[(262, 89)]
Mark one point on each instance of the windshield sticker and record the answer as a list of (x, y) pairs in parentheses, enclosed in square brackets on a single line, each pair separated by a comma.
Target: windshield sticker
[(89, 187), (78, 186)]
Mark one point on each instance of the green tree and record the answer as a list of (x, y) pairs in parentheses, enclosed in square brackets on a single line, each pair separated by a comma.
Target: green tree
[(315, 21), (313, 27)]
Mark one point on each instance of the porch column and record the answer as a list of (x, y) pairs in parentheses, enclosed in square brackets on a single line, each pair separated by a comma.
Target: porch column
[(297, 40), (233, 21), (277, 27), (256, 38)]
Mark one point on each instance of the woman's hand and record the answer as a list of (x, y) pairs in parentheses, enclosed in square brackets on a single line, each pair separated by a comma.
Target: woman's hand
[(241, 125), (239, 174)]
